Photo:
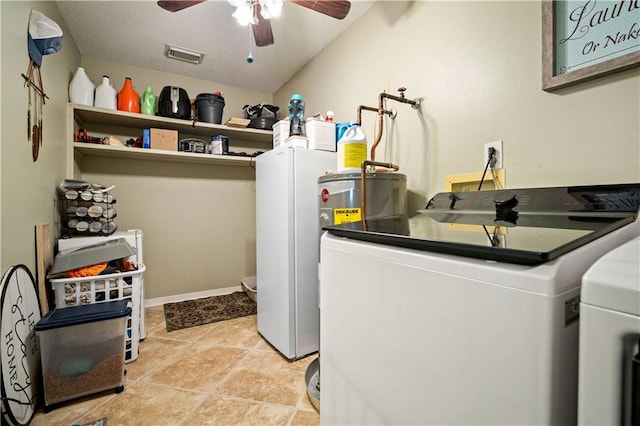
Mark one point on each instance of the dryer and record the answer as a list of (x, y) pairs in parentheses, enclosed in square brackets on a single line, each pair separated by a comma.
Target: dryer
[(610, 339)]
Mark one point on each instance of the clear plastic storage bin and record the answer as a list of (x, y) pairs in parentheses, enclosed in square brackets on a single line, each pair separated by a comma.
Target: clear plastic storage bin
[(81, 350), (104, 288)]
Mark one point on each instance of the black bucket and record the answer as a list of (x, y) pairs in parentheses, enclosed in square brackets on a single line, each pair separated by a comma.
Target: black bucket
[(209, 108)]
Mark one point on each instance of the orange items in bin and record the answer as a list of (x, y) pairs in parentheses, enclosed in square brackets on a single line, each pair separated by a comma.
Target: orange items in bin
[(121, 265), (125, 265), (87, 271)]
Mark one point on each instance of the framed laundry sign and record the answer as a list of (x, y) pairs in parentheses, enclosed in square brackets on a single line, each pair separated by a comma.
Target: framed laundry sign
[(586, 39)]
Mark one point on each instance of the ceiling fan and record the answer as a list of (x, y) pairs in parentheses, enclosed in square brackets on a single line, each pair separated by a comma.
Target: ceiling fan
[(258, 12)]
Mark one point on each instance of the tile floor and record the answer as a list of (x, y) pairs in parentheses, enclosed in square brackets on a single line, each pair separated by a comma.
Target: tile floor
[(218, 374)]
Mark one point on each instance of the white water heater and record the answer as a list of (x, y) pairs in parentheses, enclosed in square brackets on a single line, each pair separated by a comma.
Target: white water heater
[(340, 200)]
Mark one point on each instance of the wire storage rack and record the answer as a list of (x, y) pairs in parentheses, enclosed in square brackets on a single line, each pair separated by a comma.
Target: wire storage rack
[(86, 211)]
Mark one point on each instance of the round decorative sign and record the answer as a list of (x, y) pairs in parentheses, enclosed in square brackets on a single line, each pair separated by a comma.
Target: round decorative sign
[(19, 348)]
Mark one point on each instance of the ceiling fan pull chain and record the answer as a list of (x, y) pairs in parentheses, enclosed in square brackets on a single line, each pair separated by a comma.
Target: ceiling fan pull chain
[(250, 56)]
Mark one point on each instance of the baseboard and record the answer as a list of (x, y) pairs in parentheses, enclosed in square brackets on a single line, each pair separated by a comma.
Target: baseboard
[(159, 301)]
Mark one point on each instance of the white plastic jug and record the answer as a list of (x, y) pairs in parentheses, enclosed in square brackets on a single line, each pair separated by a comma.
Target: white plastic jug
[(352, 150), (106, 95), (81, 88)]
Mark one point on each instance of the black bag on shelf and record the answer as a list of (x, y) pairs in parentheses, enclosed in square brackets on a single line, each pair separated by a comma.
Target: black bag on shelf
[(260, 111)]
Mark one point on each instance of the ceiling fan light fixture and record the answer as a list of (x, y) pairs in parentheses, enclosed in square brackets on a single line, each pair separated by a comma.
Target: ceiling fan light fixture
[(271, 8), (183, 54), (243, 13)]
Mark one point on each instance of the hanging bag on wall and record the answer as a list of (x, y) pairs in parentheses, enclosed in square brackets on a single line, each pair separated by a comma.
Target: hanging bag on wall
[(44, 37)]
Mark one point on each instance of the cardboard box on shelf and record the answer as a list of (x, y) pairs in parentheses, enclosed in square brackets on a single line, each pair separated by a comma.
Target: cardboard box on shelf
[(237, 122), (163, 139)]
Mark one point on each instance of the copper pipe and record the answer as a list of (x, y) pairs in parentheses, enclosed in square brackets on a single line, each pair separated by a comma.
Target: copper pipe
[(415, 104), (378, 137), (363, 185), (366, 108), (381, 112)]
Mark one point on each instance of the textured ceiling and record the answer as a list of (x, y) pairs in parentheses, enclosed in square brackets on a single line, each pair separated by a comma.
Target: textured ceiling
[(135, 33)]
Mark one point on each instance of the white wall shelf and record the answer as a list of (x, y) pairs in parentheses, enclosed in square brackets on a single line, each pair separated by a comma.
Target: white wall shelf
[(91, 118), (197, 211), (86, 115), (82, 149)]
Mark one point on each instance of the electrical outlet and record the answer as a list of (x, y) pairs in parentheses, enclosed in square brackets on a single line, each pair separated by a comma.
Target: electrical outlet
[(497, 145)]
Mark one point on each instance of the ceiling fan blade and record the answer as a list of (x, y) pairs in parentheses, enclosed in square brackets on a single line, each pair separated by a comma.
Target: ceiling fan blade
[(174, 6), (261, 29), (338, 9)]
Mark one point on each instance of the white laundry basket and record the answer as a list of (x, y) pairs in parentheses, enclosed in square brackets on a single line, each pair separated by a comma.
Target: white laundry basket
[(104, 288)]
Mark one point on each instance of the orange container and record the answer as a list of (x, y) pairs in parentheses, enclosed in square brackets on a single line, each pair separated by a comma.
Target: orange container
[(128, 98)]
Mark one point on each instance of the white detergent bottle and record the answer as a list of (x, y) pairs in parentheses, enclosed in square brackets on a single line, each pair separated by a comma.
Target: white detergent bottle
[(106, 95), (352, 150), (81, 88)]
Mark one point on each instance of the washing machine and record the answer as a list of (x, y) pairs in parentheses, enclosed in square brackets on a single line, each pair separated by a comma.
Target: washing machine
[(473, 318), (609, 368)]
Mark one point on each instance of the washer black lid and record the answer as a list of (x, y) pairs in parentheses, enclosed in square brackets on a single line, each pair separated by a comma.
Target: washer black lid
[(526, 226)]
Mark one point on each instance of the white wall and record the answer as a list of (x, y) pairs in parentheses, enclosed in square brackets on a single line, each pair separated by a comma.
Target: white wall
[(477, 65), (28, 187)]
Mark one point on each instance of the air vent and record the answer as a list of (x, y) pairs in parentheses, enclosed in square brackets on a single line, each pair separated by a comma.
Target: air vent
[(182, 54)]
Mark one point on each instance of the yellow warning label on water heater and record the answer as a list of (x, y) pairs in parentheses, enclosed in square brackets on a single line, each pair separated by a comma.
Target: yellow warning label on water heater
[(346, 215)]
